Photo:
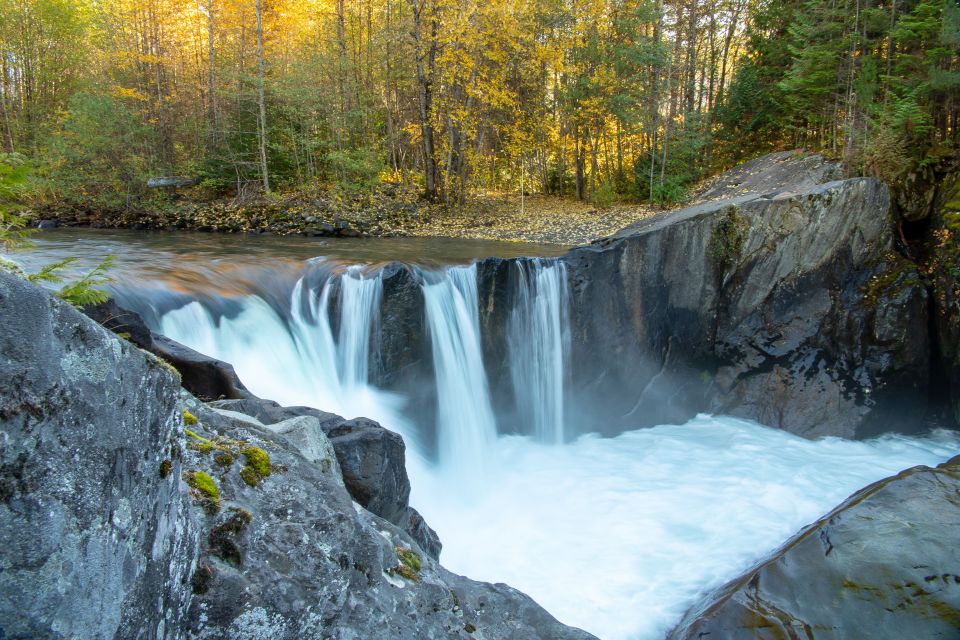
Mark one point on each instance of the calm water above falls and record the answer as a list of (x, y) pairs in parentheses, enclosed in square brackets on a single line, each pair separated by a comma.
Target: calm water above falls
[(615, 535)]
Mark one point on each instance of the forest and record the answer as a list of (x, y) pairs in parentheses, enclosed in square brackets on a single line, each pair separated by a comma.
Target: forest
[(603, 100)]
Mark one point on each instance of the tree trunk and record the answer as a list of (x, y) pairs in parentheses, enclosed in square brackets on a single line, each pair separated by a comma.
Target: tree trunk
[(425, 58), (579, 153), (261, 100), (213, 117)]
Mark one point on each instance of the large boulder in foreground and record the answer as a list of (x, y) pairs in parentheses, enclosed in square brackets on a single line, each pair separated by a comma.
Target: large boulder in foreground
[(789, 307), (100, 538), (882, 565), (290, 555), (97, 538)]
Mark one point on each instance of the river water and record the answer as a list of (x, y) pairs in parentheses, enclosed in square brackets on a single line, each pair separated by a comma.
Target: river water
[(615, 535)]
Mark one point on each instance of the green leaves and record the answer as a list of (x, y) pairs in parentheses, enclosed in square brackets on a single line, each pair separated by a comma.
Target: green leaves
[(81, 291)]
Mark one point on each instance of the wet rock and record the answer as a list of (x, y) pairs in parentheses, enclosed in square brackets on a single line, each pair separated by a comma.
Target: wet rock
[(121, 321), (96, 535), (47, 224), (202, 375), (883, 564)]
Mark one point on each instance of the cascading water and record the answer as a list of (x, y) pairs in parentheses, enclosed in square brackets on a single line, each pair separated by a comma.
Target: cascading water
[(539, 346), (359, 301), (465, 421), (295, 359), (615, 535)]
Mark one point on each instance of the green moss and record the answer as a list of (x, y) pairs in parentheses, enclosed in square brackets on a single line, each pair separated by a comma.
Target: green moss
[(257, 459), (205, 490), (189, 418), (198, 442), (409, 558), (204, 483), (165, 468), (409, 566), (248, 475), (727, 241), (224, 459)]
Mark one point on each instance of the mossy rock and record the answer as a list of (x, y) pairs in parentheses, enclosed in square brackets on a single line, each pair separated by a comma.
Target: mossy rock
[(257, 465), (248, 475), (409, 566), (224, 459), (198, 442), (205, 487), (728, 239)]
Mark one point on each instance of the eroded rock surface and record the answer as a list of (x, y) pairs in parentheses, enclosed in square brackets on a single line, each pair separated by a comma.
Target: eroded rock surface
[(291, 555), (882, 565), (97, 536)]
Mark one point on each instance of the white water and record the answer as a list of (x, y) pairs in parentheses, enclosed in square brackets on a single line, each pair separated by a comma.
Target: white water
[(618, 535), (300, 362), (539, 345), (465, 423)]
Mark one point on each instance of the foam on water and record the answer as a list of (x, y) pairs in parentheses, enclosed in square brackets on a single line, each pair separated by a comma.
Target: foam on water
[(619, 536)]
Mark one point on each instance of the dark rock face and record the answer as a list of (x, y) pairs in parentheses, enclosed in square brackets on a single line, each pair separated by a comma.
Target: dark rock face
[(883, 565), (789, 308), (202, 375), (292, 557), (401, 349), (372, 461), (96, 534)]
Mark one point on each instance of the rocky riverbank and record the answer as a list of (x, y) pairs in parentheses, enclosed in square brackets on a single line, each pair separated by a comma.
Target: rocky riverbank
[(387, 211)]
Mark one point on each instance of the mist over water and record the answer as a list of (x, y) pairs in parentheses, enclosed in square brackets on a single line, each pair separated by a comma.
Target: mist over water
[(615, 535), (619, 536)]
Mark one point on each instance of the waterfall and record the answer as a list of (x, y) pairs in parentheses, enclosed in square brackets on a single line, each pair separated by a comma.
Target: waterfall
[(314, 348), (539, 347), (299, 359), (465, 421), (342, 364), (359, 303)]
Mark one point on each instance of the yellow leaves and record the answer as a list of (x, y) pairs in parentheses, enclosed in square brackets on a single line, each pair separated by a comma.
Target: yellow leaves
[(128, 93)]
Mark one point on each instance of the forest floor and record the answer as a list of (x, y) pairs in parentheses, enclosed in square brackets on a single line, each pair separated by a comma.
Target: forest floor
[(547, 219), (388, 211)]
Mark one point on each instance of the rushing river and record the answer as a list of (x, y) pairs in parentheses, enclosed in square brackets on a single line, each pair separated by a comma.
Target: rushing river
[(615, 535)]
